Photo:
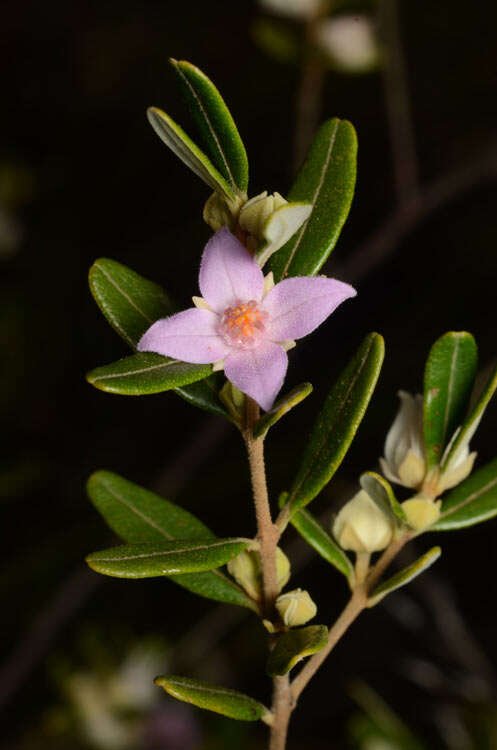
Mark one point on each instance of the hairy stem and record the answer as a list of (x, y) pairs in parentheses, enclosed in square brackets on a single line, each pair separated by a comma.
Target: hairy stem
[(282, 710)]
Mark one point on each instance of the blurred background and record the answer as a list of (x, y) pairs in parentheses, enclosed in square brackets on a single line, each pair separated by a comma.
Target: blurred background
[(83, 175)]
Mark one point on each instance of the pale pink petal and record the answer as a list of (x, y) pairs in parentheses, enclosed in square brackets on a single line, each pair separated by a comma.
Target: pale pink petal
[(228, 273), (258, 372), (298, 305), (190, 336)]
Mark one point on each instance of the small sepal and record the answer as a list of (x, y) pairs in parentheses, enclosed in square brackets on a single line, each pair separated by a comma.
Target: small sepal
[(295, 645)]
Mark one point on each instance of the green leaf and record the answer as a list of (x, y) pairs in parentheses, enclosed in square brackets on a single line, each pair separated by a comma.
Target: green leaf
[(281, 407), (381, 492), (146, 373), (129, 302), (449, 377), (215, 123), (137, 515), (404, 576), (326, 180), (316, 535), (473, 501), (338, 422), (295, 645), (166, 558), (213, 698), (186, 150), (204, 394), (472, 421)]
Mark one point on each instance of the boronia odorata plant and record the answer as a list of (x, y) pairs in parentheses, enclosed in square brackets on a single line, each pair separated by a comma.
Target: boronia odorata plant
[(260, 292)]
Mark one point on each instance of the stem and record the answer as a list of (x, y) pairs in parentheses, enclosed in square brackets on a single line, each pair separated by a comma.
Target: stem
[(282, 709)]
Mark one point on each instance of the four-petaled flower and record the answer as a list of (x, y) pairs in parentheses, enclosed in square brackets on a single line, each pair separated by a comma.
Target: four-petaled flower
[(239, 324)]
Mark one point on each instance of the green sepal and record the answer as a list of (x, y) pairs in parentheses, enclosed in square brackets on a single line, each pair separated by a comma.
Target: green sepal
[(327, 181), (213, 698), (448, 381), (472, 501), (316, 535), (215, 122), (130, 303), (293, 646), (166, 558), (185, 149), (381, 492), (281, 407), (404, 576), (470, 424), (338, 422), (137, 515), (145, 373)]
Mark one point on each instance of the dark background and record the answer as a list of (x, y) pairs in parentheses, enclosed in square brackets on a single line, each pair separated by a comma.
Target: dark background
[(78, 77)]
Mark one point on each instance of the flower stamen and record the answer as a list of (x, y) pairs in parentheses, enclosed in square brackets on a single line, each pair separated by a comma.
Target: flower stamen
[(243, 324)]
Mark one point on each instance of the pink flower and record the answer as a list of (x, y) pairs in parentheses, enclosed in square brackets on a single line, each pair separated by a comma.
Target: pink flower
[(239, 325)]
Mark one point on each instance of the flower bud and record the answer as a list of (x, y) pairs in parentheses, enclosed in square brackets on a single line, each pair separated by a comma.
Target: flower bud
[(296, 608), (404, 461), (459, 466), (246, 570), (350, 42), (257, 211), (421, 512), (219, 212), (361, 526)]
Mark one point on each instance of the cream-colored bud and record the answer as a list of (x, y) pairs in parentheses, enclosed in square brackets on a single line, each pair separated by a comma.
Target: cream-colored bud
[(218, 212), (421, 512), (350, 42), (246, 570), (404, 461), (257, 211), (361, 526), (296, 608)]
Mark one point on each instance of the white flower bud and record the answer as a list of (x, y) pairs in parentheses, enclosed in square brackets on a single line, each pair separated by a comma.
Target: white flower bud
[(350, 42), (300, 9), (361, 526), (246, 570), (296, 608), (257, 211), (421, 512), (460, 464), (404, 461)]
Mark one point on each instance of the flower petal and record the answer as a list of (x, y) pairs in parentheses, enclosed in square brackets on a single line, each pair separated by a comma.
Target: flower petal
[(228, 272), (258, 372), (190, 336), (297, 306)]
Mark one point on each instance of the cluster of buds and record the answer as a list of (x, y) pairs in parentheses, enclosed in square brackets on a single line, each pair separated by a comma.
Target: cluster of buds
[(246, 570)]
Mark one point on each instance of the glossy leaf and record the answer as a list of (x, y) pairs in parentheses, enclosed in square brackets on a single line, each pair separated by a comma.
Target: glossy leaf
[(129, 302), (338, 422), (281, 407), (295, 645), (472, 501), (381, 492), (186, 150), (146, 373), (165, 558), (404, 576), (327, 181), (213, 698), (316, 535), (204, 394), (449, 377), (472, 421), (215, 123), (137, 515)]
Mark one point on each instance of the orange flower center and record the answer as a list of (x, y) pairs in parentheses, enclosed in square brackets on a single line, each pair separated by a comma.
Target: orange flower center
[(242, 325)]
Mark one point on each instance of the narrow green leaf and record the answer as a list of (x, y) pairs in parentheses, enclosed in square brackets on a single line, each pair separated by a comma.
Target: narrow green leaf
[(338, 422), (129, 302), (295, 645), (166, 558), (316, 535), (146, 373), (215, 123), (472, 421), (204, 394), (186, 150), (383, 495), (327, 181), (213, 698), (281, 407), (137, 515), (449, 377), (404, 576), (472, 501)]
